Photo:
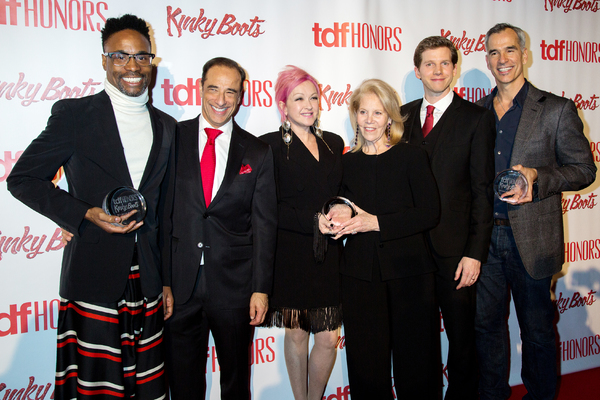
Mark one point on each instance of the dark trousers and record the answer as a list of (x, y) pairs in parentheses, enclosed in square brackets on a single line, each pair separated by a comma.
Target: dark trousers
[(186, 338), (458, 311), (504, 271), (399, 319)]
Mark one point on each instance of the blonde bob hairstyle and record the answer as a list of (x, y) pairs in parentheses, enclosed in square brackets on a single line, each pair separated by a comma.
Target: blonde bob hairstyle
[(391, 104)]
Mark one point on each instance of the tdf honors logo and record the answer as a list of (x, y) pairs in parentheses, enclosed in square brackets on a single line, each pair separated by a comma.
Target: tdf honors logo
[(570, 51), (72, 15), (359, 35), (45, 315)]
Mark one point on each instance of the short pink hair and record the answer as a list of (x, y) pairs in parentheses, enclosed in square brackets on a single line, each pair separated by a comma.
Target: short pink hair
[(287, 80)]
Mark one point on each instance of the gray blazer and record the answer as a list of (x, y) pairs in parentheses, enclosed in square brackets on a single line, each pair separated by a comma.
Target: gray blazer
[(549, 138)]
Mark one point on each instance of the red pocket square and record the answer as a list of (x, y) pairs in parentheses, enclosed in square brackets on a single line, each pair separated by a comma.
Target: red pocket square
[(246, 169)]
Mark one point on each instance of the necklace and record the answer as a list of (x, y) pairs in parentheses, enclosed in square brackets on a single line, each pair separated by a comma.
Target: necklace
[(500, 102)]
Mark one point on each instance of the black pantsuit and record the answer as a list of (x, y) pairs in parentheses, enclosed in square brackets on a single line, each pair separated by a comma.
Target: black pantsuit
[(387, 277), (384, 330)]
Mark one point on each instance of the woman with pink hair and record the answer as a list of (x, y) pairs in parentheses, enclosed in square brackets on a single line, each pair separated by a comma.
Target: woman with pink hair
[(306, 292)]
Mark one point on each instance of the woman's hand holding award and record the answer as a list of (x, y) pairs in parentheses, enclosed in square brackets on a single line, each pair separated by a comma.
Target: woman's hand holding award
[(337, 210)]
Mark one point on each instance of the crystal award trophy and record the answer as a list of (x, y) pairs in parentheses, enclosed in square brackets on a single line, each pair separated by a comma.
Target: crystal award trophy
[(125, 201), (339, 209), (510, 180)]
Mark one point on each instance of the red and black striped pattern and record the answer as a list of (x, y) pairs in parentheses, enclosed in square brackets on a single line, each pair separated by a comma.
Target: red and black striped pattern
[(114, 350)]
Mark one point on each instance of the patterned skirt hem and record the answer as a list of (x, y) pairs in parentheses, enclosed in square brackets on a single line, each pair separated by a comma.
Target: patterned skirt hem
[(312, 320)]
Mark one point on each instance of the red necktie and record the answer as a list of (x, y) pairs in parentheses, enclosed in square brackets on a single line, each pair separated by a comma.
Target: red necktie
[(428, 121), (208, 162)]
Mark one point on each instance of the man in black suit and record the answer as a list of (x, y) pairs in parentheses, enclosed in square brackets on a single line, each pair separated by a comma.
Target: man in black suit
[(459, 138), (222, 239), (110, 318)]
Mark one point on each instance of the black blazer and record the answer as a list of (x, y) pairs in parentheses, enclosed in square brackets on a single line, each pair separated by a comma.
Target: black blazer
[(82, 136), (236, 233), (303, 186), (398, 187), (462, 162), (306, 184)]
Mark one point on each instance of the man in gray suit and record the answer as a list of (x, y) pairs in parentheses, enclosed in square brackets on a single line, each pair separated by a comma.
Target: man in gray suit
[(541, 135)]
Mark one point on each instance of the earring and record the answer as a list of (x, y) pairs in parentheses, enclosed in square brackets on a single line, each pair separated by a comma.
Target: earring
[(318, 131), (356, 136), (387, 131), (286, 135)]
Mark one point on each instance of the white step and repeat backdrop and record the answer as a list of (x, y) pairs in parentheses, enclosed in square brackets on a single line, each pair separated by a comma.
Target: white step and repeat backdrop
[(51, 49)]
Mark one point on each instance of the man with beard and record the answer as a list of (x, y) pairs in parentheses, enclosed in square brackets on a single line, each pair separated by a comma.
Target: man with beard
[(110, 317)]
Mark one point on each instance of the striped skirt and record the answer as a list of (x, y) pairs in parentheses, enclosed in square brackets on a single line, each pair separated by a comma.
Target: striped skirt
[(111, 350)]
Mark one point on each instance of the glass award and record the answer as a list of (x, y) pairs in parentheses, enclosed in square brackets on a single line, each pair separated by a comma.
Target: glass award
[(125, 201), (510, 180), (339, 209)]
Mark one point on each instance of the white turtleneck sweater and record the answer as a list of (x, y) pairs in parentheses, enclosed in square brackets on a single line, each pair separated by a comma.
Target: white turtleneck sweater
[(135, 129)]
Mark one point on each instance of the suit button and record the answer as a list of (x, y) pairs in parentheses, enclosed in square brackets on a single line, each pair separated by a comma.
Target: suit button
[(381, 245), (200, 245), (205, 215)]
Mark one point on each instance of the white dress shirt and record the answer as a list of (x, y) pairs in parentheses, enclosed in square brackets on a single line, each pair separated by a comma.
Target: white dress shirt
[(221, 149), (440, 107)]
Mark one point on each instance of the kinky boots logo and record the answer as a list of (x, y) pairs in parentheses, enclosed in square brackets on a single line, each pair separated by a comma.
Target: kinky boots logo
[(28, 92), (32, 391), (29, 244), (207, 26), (466, 44), (576, 300), (571, 5), (578, 201)]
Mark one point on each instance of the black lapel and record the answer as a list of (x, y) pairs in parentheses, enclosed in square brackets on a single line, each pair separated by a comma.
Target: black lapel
[(111, 156), (448, 120), (412, 129), (237, 149), (157, 138), (188, 157), (303, 163)]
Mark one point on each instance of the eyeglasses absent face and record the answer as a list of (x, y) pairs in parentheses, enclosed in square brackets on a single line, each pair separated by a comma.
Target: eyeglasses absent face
[(120, 59), (220, 94)]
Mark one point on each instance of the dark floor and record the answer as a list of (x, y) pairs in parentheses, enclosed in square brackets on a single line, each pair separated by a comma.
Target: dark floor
[(583, 385)]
